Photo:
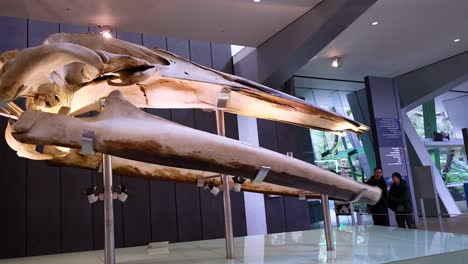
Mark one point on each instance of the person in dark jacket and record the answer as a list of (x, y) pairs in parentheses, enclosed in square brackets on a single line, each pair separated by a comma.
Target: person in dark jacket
[(379, 211), (399, 201)]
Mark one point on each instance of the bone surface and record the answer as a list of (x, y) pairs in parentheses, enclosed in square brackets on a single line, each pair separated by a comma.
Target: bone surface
[(149, 171), (125, 131), (71, 72)]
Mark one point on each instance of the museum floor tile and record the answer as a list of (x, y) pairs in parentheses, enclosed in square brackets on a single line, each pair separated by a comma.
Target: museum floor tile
[(362, 244)]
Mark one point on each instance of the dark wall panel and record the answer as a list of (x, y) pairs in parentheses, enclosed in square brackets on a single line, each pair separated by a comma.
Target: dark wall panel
[(44, 219), (153, 41), (39, 31), (17, 31), (200, 52), (187, 195), (13, 169), (274, 207), (222, 59), (179, 47), (189, 223), (130, 37), (136, 212), (239, 225), (66, 28), (13, 221), (296, 211), (76, 212)]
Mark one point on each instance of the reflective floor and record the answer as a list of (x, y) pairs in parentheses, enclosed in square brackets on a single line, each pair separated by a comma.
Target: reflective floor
[(353, 245)]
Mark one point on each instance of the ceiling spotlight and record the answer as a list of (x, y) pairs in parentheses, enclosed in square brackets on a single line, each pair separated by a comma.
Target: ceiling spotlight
[(106, 31), (456, 40), (336, 62), (106, 34), (375, 23), (256, 1)]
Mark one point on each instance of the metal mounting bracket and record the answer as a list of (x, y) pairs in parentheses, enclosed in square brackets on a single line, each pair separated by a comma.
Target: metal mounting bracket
[(223, 98), (87, 142), (261, 174), (358, 196)]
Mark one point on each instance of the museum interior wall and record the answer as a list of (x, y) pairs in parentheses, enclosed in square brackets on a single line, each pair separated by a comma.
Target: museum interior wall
[(44, 212)]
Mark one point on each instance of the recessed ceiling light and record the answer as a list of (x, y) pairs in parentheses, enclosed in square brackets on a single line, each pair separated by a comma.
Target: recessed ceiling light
[(456, 40), (336, 62), (107, 33), (375, 23), (256, 1)]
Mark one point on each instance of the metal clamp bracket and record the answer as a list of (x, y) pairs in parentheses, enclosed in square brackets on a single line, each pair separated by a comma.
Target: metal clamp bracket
[(261, 174), (302, 196), (223, 98), (201, 179), (358, 196), (87, 142)]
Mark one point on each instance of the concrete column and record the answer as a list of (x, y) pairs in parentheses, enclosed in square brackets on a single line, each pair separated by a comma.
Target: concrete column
[(255, 215)]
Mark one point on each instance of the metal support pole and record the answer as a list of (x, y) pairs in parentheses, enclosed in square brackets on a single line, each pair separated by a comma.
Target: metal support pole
[(423, 212), (351, 208), (327, 222), (109, 246), (359, 217), (226, 194)]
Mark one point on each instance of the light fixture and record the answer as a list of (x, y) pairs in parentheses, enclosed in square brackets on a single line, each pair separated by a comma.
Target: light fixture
[(107, 34), (375, 23), (213, 189), (456, 40), (257, 1), (106, 31), (123, 194), (91, 193), (336, 62), (238, 181)]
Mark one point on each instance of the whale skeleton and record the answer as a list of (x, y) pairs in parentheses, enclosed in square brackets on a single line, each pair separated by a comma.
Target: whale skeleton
[(70, 74), (124, 130), (150, 171)]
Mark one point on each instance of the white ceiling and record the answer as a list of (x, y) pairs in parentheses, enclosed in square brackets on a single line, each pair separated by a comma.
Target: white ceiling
[(240, 22), (410, 35)]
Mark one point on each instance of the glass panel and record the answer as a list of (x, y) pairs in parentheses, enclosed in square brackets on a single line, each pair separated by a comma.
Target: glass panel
[(331, 151)]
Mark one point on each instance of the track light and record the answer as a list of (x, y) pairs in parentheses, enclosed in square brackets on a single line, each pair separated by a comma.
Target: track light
[(336, 62), (91, 193), (122, 194), (238, 181), (213, 189)]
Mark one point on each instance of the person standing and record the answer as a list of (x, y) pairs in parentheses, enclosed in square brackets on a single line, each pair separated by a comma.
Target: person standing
[(379, 211), (399, 201)]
